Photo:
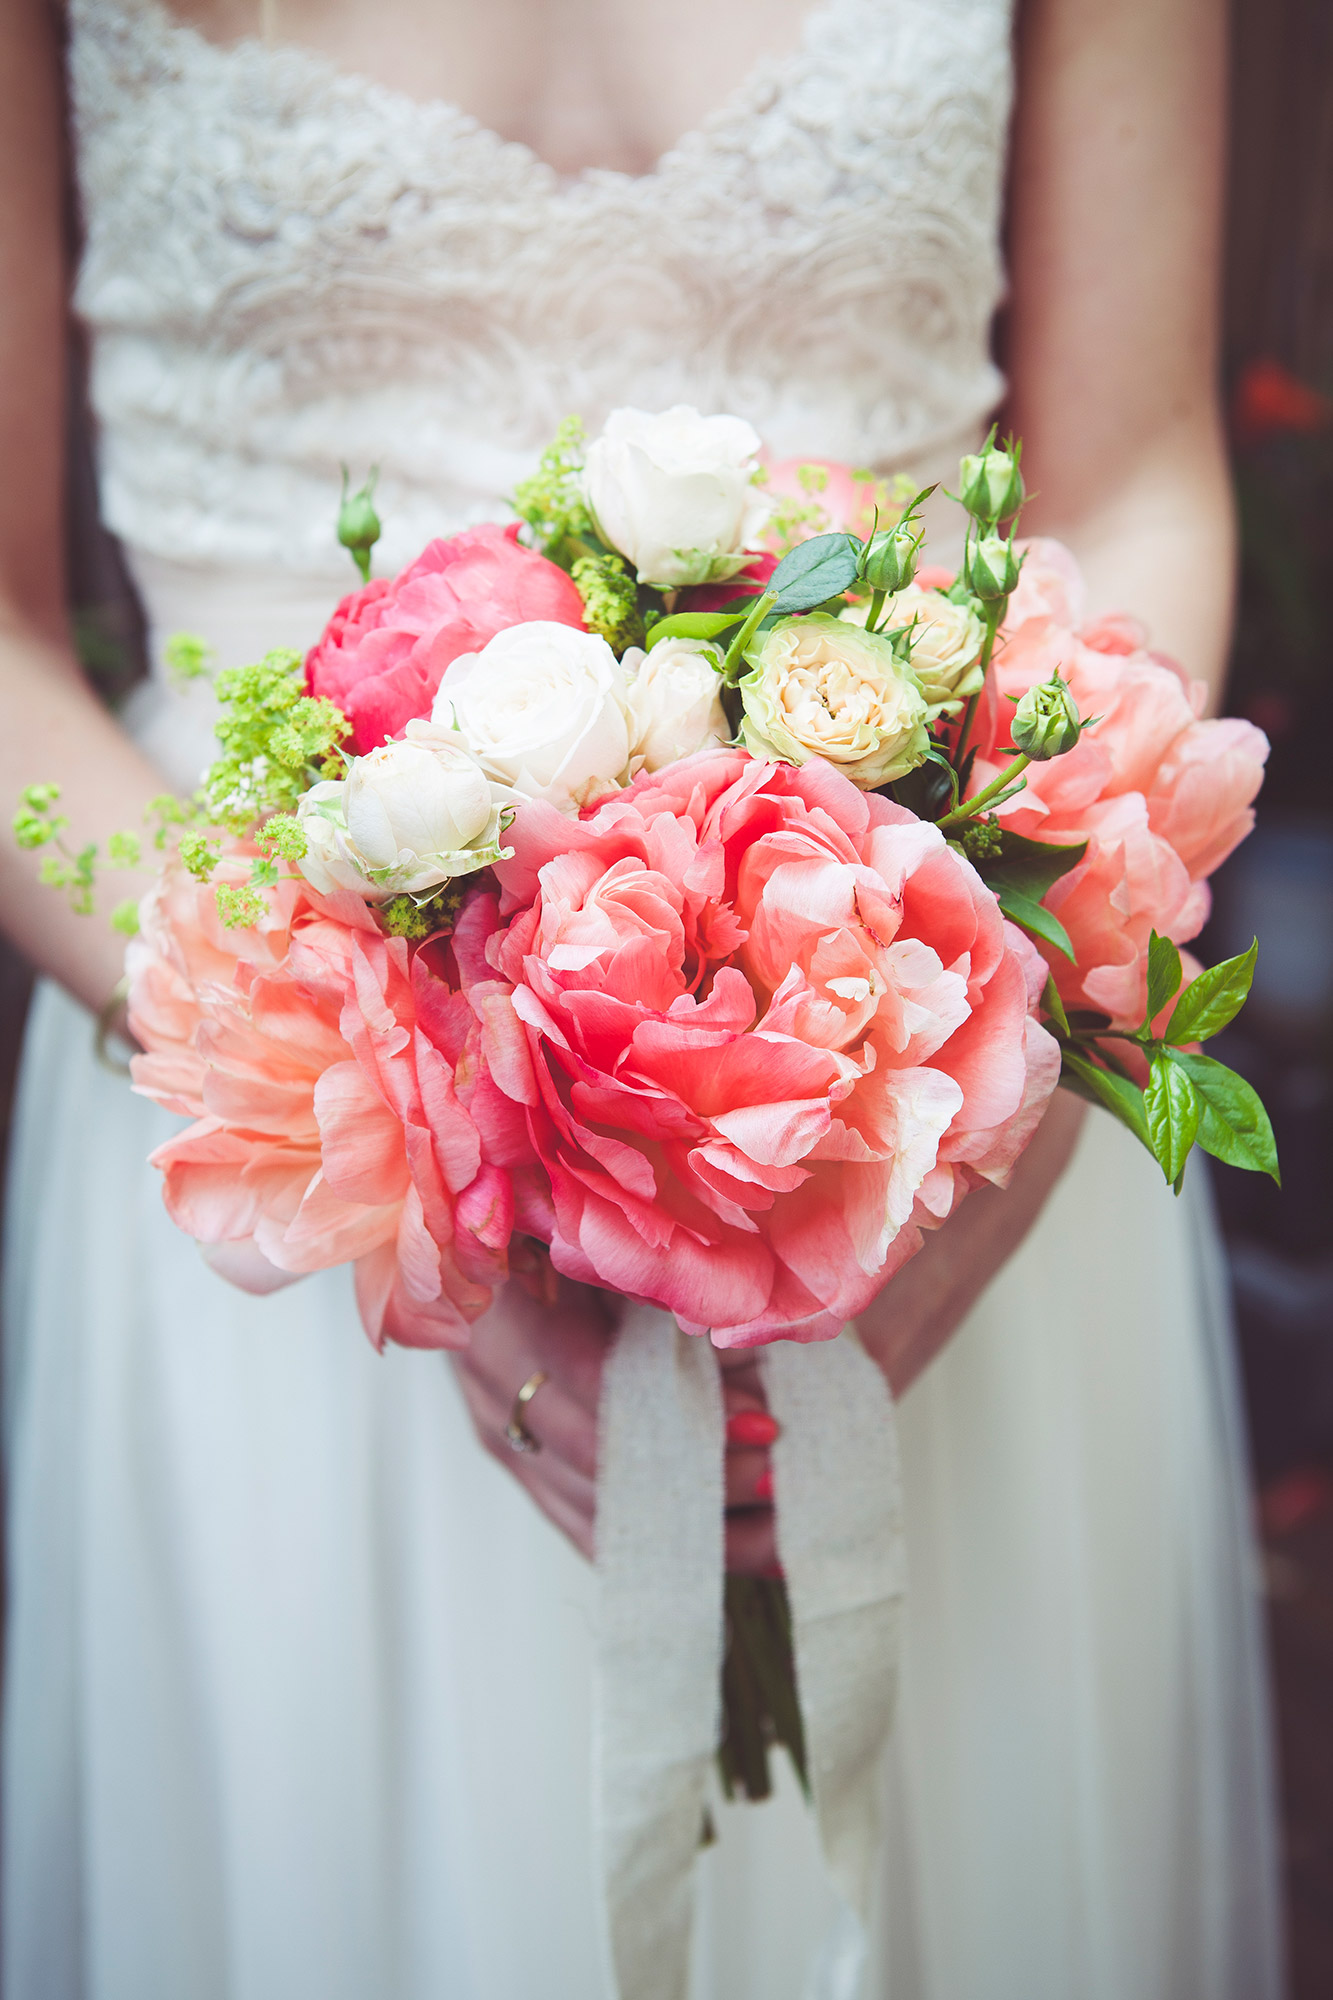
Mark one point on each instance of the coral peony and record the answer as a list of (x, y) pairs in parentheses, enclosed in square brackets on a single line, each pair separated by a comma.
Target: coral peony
[(1161, 796), (382, 653), (318, 1061), (763, 1026)]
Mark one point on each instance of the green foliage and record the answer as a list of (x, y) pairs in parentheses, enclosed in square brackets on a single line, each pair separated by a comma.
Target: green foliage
[(1164, 975), (276, 742), (1233, 1125), (983, 840), (813, 572), (552, 503), (284, 836), (406, 917), (241, 907), (35, 824), (125, 918), (124, 850), (188, 658), (358, 523), (200, 853), (610, 600), (1020, 875), (1213, 999), (1171, 1108)]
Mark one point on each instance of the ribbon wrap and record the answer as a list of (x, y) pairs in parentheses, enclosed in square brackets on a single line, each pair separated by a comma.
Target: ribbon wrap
[(837, 1492)]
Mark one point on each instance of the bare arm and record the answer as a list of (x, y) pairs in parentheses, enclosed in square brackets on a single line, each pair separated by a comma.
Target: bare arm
[(54, 726), (1114, 226)]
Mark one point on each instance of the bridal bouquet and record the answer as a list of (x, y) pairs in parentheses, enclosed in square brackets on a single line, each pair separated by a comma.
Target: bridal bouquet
[(683, 885)]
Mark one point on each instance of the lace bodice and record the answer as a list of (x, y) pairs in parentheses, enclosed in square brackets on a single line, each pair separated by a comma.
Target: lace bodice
[(288, 266)]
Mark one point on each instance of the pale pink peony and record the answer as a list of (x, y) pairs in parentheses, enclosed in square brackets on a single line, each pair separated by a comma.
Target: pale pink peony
[(319, 1062), (763, 1027), (1161, 796), (382, 653)]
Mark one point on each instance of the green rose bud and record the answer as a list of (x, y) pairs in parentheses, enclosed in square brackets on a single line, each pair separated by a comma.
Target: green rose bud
[(1046, 722), (358, 523), (889, 564), (991, 484), (992, 568)]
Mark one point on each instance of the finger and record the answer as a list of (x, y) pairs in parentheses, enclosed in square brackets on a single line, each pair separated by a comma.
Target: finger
[(751, 1542), (749, 1479), (558, 1424)]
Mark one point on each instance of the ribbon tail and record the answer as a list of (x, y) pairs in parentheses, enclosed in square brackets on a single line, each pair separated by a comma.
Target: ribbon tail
[(838, 1490), (659, 1557)]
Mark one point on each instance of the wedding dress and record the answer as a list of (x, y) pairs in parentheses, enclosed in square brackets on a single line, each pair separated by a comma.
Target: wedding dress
[(297, 1699)]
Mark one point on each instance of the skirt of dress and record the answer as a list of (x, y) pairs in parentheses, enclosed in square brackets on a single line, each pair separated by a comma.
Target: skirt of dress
[(298, 1679)]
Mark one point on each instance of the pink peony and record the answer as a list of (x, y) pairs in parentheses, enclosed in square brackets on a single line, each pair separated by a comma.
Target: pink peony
[(319, 1063), (382, 653), (763, 1027), (1161, 796), (818, 496)]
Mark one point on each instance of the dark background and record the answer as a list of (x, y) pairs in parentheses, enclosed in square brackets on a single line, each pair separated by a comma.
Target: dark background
[(1279, 376)]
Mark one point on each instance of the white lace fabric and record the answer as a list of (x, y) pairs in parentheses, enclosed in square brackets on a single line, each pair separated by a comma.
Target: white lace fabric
[(288, 266)]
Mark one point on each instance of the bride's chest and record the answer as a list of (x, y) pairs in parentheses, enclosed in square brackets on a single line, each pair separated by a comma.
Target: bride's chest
[(242, 188)]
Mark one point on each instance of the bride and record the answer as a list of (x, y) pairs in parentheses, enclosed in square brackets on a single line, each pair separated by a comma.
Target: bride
[(297, 1682)]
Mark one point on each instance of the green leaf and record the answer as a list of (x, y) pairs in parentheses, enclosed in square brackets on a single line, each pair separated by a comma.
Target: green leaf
[(1164, 977), (1035, 917), (1101, 1086), (1030, 866), (691, 625), (1054, 1006), (1172, 1108), (814, 571), (1233, 1125), (1213, 999)]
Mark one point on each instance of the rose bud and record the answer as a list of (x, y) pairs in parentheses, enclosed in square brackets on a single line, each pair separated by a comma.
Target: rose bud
[(675, 494), (820, 687), (945, 641), (544, 708), (991, 484), (993, 568), (1046, 721), (407, 817), (889, 563), (675, 702), (359, 524)]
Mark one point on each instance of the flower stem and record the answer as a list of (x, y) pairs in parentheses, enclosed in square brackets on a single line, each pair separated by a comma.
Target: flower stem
[(762, 605), (997, 789), (876, 607), (993, 614)]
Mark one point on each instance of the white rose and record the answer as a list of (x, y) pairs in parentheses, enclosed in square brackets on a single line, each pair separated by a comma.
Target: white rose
[(406, 818), (818, 687), (675, 493), (543, 707), (675, 702), (946, 644)]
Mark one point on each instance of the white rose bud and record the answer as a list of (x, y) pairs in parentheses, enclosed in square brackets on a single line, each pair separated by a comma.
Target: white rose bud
[(675, 702), (675, 494), (946, 644), (411, 815), (818, 687), (544, 709)]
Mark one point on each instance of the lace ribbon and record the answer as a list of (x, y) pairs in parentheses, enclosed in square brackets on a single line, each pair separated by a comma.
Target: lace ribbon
[(660, 1558)]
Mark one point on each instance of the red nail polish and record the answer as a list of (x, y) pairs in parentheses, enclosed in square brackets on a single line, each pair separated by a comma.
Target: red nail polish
[(763, 1486), (752, 1427)]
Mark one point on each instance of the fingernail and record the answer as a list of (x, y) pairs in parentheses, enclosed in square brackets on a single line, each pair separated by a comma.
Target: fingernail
[(763, 1486), (752, 1427)]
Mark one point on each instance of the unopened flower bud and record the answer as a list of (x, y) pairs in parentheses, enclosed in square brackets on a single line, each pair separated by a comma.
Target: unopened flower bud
[(991, 485), (889, 564), (1046, 721), (992, 568), (359, 524)]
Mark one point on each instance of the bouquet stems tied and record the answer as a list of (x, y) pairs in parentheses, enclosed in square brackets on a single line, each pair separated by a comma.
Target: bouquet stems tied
[(760, 1705)]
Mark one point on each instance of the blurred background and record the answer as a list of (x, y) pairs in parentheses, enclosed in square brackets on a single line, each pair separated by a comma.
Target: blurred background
[(1279, 378)]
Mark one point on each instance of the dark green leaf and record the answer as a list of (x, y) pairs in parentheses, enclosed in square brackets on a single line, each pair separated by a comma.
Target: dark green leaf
[(1035, 917), (1171, 1107), (1030, 866), (1213, 999), (1102, 1086), (1233, 1125), (1163, 978), (691, 625), (814, 571), (1054, 1007)]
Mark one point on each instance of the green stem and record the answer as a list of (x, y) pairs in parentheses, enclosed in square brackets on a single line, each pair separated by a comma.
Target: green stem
[(993, 617), (762, 606), (997, 788), (876, 606)]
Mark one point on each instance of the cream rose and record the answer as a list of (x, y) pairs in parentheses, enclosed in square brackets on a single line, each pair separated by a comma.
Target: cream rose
[(675, 702), (946, 644), (819, 687), (543, 707), (675, 493), (407, 817)]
